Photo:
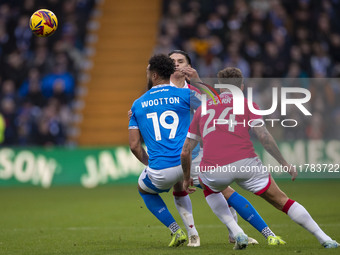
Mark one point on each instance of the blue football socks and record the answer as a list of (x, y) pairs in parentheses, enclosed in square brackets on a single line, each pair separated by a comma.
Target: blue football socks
[(156, 205), (247, 211)]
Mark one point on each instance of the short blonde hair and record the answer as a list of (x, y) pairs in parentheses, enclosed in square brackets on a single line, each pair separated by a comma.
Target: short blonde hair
[(233, 74)]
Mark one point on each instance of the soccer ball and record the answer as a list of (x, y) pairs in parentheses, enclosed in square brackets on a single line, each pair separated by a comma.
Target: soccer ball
[(43, 23)]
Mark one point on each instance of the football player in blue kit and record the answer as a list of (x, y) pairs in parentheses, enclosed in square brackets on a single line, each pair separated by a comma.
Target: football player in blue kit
[(161, 117)]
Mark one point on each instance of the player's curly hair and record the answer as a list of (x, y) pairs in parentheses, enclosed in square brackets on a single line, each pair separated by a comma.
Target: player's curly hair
[(163, 65)]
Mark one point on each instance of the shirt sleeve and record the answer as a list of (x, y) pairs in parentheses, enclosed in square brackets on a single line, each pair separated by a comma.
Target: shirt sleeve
[(194, 129), (195, 99), (133, 124)]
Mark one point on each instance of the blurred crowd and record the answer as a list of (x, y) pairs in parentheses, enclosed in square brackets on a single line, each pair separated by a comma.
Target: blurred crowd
[(38, 76), (297, 40)]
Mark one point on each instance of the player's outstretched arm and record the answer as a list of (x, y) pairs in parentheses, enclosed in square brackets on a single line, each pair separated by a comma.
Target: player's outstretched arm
[(188, 146), (268, 142), (136, 147)]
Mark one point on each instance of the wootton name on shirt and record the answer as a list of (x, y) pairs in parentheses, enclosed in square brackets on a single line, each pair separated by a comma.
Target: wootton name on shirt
[(160, 101)]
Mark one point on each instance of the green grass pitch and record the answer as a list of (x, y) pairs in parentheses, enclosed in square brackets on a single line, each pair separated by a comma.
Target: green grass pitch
[(114, 220)]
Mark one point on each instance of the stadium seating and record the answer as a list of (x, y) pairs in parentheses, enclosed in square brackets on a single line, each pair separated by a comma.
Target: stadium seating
[(126, 37)]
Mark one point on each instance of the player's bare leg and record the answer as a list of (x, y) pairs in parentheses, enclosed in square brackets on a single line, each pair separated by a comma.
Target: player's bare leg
[(275, 196), (184, 207), (297, 213), (228, 192)]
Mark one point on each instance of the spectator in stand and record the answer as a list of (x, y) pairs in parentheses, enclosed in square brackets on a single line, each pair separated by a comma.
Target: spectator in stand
[(60, 74), (8, 90), (26, 122), (209, 65), (320, 62), (30, 90), (25, 99), (234, 59), (23, 34), (49, 127), (15, 68), (293, 39)]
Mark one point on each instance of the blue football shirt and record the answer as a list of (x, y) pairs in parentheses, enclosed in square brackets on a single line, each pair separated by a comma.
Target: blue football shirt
[(162, 115)]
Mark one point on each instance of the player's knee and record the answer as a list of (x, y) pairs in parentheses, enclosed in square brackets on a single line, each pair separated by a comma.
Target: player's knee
[(228, 192), (275, 197), (140, 190)]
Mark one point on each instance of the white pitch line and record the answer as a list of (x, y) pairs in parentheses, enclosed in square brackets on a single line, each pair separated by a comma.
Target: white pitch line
[(87, 228)]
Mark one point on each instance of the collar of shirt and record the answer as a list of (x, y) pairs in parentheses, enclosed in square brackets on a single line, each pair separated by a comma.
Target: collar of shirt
[(161, 85), (184, 87)]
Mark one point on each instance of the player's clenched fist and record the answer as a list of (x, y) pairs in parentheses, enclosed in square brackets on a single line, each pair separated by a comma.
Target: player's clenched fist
[(187, 184), (189, 72)]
